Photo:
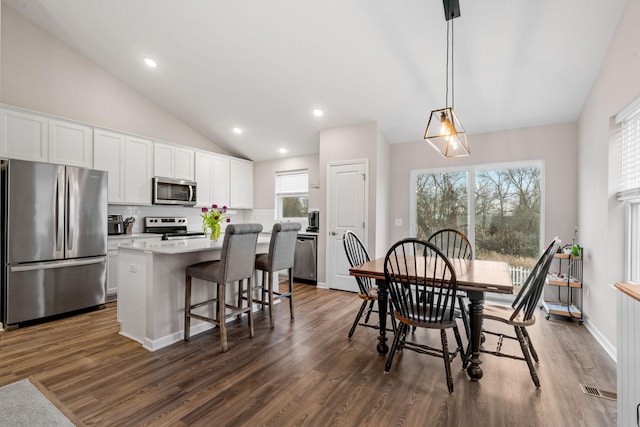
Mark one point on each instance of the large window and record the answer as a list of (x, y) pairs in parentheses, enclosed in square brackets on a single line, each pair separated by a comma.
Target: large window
[(628, 150), (498, 207), (292, 195)]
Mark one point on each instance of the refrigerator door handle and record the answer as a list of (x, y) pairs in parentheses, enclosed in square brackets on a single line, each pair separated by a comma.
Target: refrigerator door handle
[(59, 212), (55, 264), (71, 209)]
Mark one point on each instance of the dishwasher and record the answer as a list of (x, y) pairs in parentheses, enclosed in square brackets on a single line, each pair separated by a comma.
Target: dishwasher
[(305, 258)]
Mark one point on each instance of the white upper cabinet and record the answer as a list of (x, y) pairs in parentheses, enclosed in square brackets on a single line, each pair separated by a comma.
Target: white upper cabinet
[(240, 184), (204, 178), (220, 186), (129, 161), (23, 136), (27, 136), (70, 144), (108, 155), (138, 170), (172, 161)]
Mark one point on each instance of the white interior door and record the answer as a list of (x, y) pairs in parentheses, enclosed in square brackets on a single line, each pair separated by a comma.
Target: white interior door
[(347, 211)]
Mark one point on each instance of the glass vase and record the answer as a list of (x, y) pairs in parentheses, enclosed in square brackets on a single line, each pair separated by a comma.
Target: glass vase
[(215, 232)]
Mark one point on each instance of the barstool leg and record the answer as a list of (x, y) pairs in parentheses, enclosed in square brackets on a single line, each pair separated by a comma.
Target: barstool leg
[(250, 312), (270, 278), (291, 292), (187, 308), (264, 288), (221, 317), (240, 292)]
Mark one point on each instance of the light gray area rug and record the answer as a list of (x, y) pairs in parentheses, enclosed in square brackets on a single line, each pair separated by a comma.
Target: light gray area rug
[(22, 404)]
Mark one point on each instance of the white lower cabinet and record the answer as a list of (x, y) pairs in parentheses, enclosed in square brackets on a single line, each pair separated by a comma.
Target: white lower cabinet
[(628, 353), (112, 260)]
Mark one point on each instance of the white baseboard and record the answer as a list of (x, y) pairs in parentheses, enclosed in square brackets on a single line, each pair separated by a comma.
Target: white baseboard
[(604, 342)]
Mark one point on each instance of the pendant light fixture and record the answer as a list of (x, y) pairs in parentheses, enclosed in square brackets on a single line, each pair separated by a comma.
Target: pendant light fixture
[(444, 131)]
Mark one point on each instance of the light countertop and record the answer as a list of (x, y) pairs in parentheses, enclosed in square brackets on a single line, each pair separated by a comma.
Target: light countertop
[(631, 289), (132, 236), (182, 246)]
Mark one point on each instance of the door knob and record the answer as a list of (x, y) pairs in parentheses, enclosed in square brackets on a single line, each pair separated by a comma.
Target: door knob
[(333, 233)]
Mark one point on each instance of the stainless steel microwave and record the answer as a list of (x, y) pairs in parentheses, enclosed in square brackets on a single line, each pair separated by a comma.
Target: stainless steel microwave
[(169, 191)]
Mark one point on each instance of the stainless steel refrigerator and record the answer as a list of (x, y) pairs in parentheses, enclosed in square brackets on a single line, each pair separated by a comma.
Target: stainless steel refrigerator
[(54, 239)]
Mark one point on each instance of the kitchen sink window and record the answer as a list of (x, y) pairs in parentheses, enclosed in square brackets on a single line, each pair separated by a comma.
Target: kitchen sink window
[(292, 195), (498, 207)]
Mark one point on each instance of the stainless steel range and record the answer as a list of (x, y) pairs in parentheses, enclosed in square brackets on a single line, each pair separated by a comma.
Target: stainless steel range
[(171, 228)]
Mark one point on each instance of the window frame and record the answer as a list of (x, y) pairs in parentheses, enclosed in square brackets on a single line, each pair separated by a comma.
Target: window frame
[(280, 196), (471, 176)]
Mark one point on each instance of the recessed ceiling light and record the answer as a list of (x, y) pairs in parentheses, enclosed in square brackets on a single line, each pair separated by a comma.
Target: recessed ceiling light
[(237, 131), (150, 62), (318, 112), (282, 150)]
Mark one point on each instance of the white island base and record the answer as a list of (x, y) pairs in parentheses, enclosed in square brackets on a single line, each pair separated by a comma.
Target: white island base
[(151, 279)]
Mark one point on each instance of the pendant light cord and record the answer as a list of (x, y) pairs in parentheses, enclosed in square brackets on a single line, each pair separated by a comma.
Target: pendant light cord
[(452, 85), (449, 48), (446, 93)]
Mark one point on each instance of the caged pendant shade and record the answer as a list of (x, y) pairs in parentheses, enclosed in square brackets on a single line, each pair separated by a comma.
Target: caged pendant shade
[(446, 134), (444, 131)]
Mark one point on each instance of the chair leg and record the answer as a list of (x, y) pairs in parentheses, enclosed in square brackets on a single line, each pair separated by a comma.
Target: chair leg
[(524, 345), (187, 308), (291, 293), (402, 330), (465, 318), (270, 278), (447, 361), (534, 354), (250, 312), (369, 310), (456, 332), (358, 316), (221, 317), (394, 325)]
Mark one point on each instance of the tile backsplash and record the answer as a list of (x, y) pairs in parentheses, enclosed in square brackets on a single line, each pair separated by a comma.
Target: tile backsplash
[(266, 217)]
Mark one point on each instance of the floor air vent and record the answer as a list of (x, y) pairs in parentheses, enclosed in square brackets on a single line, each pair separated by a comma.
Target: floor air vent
[(595, 391)]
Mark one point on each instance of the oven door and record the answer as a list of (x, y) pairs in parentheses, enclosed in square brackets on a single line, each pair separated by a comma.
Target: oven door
[(167, 191)]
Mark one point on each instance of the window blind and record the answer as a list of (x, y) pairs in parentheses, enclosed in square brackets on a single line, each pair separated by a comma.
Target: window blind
[(628, 136), (292, 182)]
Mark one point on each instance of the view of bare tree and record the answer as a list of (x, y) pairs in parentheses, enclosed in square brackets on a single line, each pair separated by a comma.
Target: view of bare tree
[(506, 211)]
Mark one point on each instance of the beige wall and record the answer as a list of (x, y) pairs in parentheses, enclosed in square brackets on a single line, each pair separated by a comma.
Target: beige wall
[(556, 145), (356, 142), (264, 179), (601, 217), (40, 73)]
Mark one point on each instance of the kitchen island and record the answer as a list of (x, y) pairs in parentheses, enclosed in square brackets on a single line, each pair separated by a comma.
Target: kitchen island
[(151, 288)]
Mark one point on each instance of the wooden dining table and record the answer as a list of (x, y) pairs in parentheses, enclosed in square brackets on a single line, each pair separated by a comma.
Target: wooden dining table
[(475, 277)]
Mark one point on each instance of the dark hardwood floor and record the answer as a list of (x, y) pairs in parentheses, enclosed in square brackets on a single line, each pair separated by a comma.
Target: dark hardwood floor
[(303, 372)]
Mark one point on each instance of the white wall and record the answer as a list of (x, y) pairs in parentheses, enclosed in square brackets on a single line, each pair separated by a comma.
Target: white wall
[(601, 217), (556, 145), (40, 73)]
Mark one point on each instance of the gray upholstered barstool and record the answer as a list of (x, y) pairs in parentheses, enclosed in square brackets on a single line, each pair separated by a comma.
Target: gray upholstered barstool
[(280, 257), (236, 264)]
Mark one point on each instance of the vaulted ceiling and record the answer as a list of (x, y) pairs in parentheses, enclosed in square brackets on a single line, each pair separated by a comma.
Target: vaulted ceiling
[(263, 66)]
